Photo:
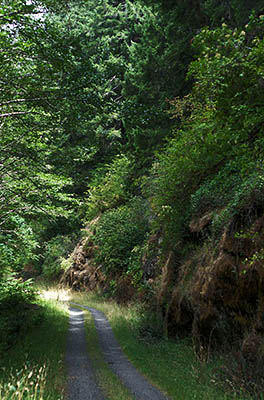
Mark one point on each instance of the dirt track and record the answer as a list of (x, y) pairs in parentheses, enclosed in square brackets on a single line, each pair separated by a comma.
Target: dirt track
[(114, 356), (81, 380)]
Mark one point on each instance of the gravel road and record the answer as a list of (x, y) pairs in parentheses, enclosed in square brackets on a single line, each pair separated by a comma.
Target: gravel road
[(81, 380), (114, 356)]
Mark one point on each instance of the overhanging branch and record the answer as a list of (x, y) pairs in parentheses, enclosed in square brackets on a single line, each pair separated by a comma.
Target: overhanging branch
[(20, 101), (16, 114)]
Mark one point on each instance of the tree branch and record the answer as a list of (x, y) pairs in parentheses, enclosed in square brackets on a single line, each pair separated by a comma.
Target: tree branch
[(20, 101), (16, 114)]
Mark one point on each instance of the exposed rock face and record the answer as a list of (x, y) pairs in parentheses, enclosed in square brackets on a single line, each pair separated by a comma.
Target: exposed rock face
[(218, 294), (198, 224), (83, 273)]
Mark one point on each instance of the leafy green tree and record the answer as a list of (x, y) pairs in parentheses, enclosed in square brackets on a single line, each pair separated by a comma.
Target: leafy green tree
[(110, 187), (159, 60), (219, 127), (94, 37), (29, 186)]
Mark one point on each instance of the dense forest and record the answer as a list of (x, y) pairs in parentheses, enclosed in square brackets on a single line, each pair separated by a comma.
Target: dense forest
[(131, 160)]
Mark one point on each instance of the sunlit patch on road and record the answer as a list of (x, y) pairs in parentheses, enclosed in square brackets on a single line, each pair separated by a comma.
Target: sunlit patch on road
[(58, 294)]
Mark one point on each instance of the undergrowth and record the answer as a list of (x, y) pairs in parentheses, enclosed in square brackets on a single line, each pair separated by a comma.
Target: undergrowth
[(33, 368), (16, 298)]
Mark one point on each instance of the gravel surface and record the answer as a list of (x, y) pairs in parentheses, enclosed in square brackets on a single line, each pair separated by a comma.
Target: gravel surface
[(81, 380), (128, 374)]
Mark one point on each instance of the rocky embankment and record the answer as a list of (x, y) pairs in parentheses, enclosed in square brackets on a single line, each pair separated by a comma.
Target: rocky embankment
[(215, 293)]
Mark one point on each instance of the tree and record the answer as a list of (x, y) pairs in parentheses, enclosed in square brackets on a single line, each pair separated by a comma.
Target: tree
[(29, 187), (217, 145)]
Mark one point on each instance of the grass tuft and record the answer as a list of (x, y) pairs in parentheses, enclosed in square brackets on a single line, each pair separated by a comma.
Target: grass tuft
[(26, 383)]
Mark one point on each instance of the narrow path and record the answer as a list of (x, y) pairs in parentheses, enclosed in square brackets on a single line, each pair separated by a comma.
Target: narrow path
[(81, 380), (128, 374)]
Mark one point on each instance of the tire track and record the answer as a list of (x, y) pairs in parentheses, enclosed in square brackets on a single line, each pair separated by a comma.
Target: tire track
[(122, 367), (81, 383)]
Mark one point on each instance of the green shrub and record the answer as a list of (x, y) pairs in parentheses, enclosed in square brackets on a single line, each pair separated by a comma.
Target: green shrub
[(15, 295), (217, 191), (134, 268), (14, 291), (56, 251), (109, 187), (244, 204), (118, 232), (66, 263), (234, 197), (17, 244)]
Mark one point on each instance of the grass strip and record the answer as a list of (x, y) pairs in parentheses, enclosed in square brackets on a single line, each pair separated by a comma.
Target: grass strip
[(169, 365), (109, 383), (34, 367)]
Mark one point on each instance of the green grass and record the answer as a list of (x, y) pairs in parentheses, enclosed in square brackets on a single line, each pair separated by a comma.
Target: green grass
[(33, 368), (170, 366)]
